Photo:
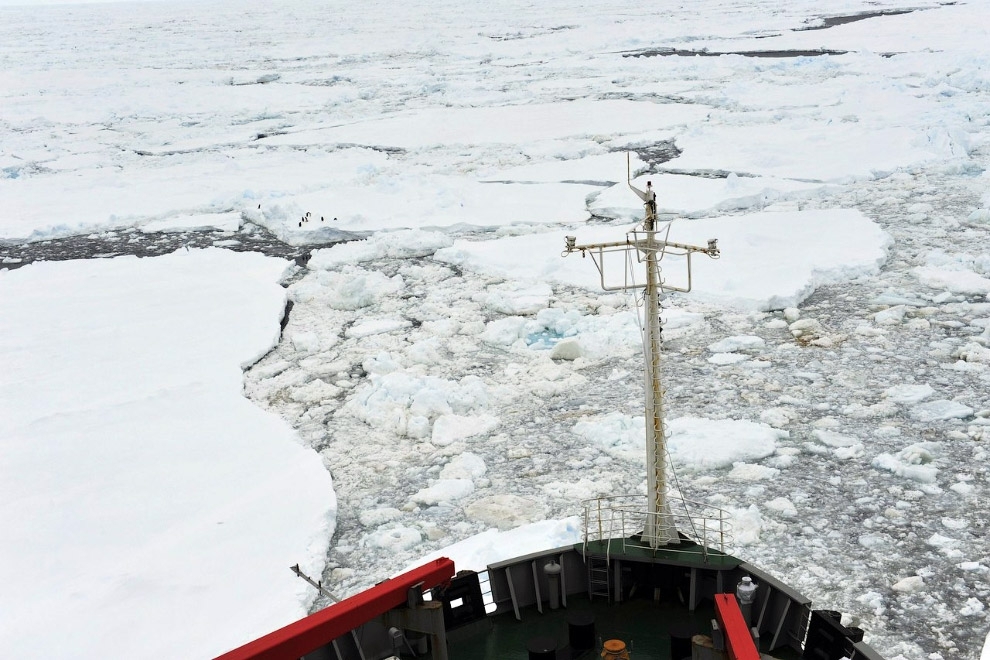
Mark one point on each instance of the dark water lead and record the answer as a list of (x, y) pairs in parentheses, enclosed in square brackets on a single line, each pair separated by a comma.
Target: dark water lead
[(833, 21), (677, 52), (826, 23), (131, 241), (654, 154)]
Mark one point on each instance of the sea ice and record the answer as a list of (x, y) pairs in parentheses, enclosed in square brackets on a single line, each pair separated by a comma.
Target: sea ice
[(376, 326), (399, 400), (619, 435), (395, 538), (783, 506), (518, 297), (973, 607), (750, 472), (567, 349), (722, 359), (909, 585), (135, 474), (396, 245), (811, 248), (350, 289), (506, 511), (908, 394), (449, 428), (913, 462), (444, 491), (891, 316), (747, 525), (505, 121), (489, 547), (740, 343), (706, 443), (940, 410), (464, 466)]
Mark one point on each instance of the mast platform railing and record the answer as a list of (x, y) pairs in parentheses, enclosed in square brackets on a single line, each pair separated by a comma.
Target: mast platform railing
[(622, 518)]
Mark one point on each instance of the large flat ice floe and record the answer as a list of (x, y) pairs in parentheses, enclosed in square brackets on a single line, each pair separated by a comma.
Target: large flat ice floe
[(770, 260), (142, 497), (518, 124), (695, 443)]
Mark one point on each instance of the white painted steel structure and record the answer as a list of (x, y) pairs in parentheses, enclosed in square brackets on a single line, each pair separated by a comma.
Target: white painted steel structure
[(660, 529)]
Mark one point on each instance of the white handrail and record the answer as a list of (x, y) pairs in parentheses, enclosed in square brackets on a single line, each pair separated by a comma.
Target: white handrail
[(623, 516)]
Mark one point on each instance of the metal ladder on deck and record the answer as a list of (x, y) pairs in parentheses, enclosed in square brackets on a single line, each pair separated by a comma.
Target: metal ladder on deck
[(599, 583)]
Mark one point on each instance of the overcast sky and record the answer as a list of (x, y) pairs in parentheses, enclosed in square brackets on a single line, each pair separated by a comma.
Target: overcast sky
[(38, 3)]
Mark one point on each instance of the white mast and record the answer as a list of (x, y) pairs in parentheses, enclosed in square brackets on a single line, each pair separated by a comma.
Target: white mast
[(660, 529)]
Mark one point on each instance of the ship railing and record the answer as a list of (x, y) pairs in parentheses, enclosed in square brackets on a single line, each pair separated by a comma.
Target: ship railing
[(623, 518)]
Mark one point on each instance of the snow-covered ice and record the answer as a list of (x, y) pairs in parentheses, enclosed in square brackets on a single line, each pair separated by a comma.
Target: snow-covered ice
[(826, 378), (137, 481), (477, 552), (798, 252)]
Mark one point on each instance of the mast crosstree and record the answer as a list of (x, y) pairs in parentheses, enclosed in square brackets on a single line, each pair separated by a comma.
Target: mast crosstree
[(649, 249)]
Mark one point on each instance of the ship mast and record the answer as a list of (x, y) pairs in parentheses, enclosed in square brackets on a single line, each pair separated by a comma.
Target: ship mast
[(660, 529)]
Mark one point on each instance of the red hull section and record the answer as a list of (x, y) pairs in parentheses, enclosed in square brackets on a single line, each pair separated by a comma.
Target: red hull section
[(738, 640), (306, 635)]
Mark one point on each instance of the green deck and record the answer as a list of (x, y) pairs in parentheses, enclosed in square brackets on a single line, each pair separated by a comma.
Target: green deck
[(645, 626), (686, 553)]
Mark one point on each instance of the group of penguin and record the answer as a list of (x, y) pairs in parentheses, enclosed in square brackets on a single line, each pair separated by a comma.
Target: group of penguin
[(306, 217)]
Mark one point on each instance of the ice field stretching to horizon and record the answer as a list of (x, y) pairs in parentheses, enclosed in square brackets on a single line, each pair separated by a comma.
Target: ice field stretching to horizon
[(281, 282)]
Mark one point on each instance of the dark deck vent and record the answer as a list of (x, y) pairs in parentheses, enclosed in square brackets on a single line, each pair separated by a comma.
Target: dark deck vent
[(828, 639), (462, 601)]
